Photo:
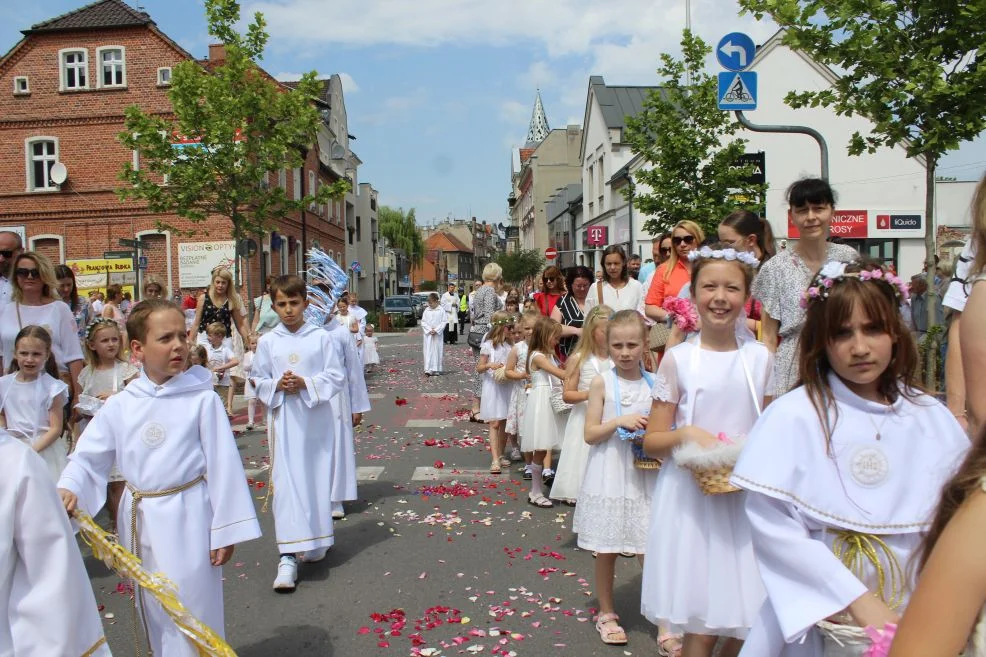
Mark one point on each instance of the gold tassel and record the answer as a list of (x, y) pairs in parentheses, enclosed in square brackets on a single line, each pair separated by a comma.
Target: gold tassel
[(126, 564), (855, 550)]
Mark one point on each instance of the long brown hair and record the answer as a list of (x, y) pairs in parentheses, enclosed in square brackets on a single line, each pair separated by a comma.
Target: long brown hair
[(979, 227), (825, 318), (39, 333), (966, 480), (544, 330)]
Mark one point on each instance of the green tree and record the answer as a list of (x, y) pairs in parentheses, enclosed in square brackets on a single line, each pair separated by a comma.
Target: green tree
[(912, 67), (687, 141), (400, 229), (428, 286), (244, 126), (518, 266)]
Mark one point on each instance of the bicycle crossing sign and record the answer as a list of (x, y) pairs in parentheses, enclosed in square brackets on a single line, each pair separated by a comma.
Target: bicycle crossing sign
[(738, 91)]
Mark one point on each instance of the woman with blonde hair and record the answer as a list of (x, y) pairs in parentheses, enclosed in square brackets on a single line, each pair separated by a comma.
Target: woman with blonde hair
[(219, 303), (676, 272), (485, 302), (34, 301)]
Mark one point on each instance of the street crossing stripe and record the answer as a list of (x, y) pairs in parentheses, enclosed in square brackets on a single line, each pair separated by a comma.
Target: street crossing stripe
[(434, 423), (428, 473)]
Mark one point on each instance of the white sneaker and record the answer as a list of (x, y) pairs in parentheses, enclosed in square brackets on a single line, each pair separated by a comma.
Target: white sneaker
[(314, 556), (287, 575), (338, 512)]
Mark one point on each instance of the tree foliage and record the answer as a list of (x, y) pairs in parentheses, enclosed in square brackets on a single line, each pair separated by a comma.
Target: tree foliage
[(401, 231), (912, 67), (686, 139), (520, 265), (245, 127)]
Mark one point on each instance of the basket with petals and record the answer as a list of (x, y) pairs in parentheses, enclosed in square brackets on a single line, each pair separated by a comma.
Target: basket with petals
[(712, 468), (636, 439), (500, 375)]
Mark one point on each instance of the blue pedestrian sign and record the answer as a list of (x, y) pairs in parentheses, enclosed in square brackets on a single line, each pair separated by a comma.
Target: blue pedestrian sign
[(736, 51), (142, 262), (738, 91)]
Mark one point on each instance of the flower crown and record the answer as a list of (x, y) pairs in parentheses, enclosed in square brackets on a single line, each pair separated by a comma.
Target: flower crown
[(98, 323), (835, 271), (504, 322), (707, 252)]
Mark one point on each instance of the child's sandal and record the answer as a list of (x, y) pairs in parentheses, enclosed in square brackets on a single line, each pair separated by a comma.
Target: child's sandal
[(608, 626), (539, 501), (669, 645), (495, 467)]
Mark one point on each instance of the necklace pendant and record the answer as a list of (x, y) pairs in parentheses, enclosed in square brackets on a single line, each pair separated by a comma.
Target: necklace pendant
[(878, 435)]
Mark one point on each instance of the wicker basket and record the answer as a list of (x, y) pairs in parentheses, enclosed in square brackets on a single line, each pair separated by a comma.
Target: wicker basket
[(640, 460), (714, 481)]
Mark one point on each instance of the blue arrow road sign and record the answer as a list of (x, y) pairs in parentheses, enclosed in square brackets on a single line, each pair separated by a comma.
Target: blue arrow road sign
[(738, 91), (735, 51)]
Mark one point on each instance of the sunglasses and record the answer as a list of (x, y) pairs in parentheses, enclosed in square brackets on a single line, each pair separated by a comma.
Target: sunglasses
[(687, 239), (7, 254), (665, 250), (27, 273)]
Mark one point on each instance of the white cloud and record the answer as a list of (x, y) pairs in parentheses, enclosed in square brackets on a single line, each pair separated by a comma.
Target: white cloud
[(514, 111), (288, 77), (349, 85), (538, 75)]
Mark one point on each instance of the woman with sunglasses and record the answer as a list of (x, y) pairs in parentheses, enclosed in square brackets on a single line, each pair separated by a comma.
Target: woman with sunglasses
[(552, 290), (616, 289), (676, 273), (783, 278), (35, 302)]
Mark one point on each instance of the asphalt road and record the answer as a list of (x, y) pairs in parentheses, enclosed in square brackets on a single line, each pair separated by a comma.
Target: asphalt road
[(437, 557)]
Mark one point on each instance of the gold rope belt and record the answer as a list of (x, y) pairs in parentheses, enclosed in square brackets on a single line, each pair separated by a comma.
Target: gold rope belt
[(855, 550), (137, 496)]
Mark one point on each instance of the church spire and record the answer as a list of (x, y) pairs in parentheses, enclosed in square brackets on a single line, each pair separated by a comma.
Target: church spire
[(539, 123)]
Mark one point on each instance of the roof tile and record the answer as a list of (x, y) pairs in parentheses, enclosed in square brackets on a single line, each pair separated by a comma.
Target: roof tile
[(99, 14)]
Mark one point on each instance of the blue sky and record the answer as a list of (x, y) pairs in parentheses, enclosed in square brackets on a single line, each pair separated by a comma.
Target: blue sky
[(439, 92)]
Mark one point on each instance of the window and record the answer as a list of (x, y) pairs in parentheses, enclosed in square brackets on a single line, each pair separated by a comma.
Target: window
[(20, 85), (112, 67), (75, 68), (311, 188), (359, 230), (164, 76), (42, 153), (284, 256), (282, 178), (297, 183), (373, 203)]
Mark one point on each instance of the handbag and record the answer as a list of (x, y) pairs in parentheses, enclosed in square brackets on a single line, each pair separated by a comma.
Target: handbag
[(659, 334), (558, 404), (475, 337)]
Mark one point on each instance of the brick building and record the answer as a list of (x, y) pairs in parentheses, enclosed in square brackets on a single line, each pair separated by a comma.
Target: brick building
[(63, 91)]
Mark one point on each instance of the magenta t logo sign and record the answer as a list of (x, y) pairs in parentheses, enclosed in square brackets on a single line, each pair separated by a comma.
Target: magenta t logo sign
[(597, 235)]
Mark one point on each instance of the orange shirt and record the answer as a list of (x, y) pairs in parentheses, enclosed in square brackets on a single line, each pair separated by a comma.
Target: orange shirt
[(659, 288)]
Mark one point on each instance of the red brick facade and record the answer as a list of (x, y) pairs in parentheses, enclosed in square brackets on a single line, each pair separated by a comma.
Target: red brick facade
[(84, 218)]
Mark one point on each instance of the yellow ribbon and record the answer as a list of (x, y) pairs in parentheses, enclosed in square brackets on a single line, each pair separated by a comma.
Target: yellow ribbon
[(855, 550), (126, 564)]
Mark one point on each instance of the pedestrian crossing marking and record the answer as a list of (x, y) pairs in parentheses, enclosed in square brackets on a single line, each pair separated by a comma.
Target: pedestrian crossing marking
[(428, 473), (376, 395), (369, 472), (440, 395), (434, 423)]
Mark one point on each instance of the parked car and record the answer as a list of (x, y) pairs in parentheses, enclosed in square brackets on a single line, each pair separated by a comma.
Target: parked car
[(420, 300), (401, 305)]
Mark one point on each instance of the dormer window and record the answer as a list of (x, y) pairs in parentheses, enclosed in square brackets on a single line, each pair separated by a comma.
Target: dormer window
[(112, 66), (75, 69), (21, 87)]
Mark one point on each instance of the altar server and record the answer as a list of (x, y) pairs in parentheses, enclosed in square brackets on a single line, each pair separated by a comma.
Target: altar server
[(187, 496), (296, 374), (844, 472), (433, 323)]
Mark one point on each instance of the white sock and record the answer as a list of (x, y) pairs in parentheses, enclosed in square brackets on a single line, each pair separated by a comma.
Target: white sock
[(251, 410), (536, 488)]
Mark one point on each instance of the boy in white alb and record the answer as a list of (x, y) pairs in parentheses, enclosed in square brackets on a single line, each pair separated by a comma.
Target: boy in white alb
[(347, 408), (296, 373), (221, 361), (186, 490), (45, 594)]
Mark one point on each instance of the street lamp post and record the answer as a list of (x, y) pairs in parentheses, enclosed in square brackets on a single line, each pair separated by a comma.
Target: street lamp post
[(374, 236)]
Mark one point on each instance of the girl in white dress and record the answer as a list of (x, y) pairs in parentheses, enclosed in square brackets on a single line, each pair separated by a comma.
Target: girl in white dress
[(614, 500), (516, 371), (32, 398), (371, 357), (843, 474), (433, 322), (589, 359), (710, 390), (105, 374), (249, 390), (543, 427), (493, 354)]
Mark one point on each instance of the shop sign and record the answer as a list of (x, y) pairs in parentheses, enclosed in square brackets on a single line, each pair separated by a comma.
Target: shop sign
[(846, 224), (196, 260)]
